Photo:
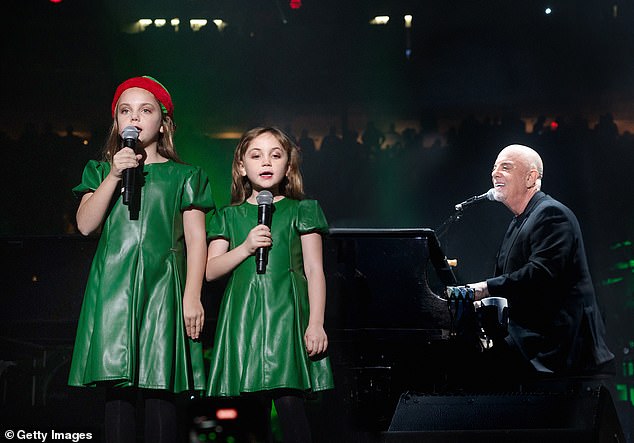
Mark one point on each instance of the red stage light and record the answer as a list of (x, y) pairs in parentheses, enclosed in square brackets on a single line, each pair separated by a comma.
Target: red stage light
[(55, 1), (295, 4), (554, 125), (227, 414)]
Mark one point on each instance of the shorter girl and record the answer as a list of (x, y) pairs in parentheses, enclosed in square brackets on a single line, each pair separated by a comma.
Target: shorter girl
[(270, 336)]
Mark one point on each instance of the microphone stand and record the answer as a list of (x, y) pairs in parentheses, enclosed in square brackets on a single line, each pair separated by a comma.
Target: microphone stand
[(445, 225)]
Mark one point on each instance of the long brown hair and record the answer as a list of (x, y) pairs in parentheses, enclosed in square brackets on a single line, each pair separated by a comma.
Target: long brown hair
[(165, 145), (292, 185)]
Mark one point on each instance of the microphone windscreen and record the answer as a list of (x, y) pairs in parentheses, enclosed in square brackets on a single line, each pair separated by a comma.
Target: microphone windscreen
[(130, 132), (491, 194), (264, 198)]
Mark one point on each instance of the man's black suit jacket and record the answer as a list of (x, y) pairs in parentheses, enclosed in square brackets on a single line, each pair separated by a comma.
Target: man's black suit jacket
[(542, 270)]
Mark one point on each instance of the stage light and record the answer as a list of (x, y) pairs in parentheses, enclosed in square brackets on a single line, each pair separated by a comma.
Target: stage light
[(408, 37), (220, 24), (144, 23), (295, 4), (227, 414), (175, 22), (548, 11), (380, 20), (160, 22), (197, 23)]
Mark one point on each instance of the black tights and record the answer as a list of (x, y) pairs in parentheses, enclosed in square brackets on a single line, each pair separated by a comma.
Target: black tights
[(292, 414), (161, 424)]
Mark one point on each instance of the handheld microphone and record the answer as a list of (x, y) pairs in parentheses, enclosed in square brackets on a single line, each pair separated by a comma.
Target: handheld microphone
[(130, 135), (489, 195), (265, 215)]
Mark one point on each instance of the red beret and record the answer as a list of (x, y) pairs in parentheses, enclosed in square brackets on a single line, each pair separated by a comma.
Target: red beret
[(149, 84)]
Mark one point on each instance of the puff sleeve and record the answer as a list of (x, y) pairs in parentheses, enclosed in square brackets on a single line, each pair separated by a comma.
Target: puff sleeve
[(197, 192), (311, 218), (217, 225), (94, 173)]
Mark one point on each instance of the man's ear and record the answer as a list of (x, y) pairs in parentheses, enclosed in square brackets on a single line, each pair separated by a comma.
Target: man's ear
[(532, 177)]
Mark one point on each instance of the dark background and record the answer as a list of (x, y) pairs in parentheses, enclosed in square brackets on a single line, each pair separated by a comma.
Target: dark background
[(479, 76)]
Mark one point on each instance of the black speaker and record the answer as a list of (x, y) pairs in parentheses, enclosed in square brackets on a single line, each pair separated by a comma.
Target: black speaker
[(587, 416)]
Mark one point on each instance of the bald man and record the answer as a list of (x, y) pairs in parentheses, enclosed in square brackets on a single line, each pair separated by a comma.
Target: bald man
[(555, 326)]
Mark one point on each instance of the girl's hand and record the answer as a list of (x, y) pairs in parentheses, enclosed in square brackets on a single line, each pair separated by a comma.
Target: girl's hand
[(259, 237), (194, 316), (316, 340), (124, 159)]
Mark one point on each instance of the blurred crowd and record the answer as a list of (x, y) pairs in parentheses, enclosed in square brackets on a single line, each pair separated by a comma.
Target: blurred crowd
[(374, 177), (414, 177)]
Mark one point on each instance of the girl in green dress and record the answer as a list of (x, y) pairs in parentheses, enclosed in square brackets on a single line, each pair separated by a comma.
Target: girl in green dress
[(142, 315), (270, 336)]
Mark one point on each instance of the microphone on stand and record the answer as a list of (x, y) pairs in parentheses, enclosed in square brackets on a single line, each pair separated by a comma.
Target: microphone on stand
[(130, 135), (265, 215), (489, 195)]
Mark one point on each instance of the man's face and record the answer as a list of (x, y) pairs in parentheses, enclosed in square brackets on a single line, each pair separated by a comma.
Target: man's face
[(510, 177)]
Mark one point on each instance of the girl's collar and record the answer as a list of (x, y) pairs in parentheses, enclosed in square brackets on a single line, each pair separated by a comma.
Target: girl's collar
[(157, 158), (251, 200)]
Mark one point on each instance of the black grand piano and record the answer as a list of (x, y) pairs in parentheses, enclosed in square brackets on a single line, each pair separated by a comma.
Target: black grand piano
[(390, 326)]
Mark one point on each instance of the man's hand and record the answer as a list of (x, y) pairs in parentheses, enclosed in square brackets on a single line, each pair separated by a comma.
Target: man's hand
[(481, 289)]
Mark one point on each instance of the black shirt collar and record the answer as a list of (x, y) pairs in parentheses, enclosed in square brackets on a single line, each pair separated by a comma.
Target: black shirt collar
[(530, 206)]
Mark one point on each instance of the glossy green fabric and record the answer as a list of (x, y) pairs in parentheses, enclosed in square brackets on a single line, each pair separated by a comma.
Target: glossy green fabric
[(131, 329), (259, 343)]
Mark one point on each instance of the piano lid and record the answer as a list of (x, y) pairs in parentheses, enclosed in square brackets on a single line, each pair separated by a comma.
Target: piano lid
[(436, 254), (378, 278)]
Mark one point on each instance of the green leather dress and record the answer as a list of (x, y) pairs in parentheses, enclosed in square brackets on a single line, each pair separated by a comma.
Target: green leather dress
[(259, 343), (131, 329)]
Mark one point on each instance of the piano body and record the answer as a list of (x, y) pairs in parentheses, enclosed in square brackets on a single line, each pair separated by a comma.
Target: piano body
[(388, 326)]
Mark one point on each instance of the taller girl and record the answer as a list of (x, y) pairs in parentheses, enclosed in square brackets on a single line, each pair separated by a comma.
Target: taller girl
[(270, 336), (142, 311)]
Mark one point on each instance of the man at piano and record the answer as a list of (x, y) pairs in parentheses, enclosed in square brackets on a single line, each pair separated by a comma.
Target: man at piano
[(555, 327)]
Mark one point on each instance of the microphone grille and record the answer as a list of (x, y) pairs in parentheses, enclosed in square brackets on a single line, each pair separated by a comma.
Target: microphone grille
[(491, 194), (130, 132), (264, 198)]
